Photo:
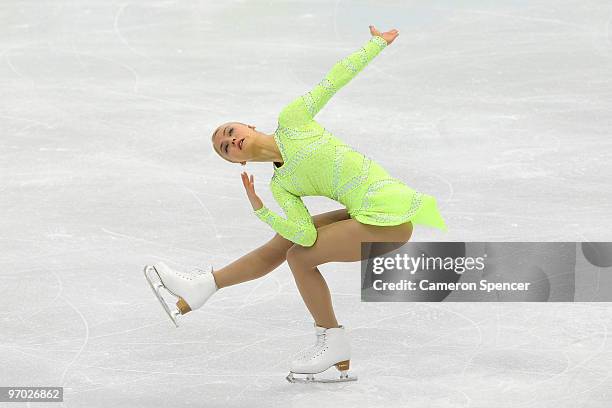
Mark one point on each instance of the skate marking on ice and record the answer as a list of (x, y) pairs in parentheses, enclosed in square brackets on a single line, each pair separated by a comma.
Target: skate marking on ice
[(156, 284), (310, 378)]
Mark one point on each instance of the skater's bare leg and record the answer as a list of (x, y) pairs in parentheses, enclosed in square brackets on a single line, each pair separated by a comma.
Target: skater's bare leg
[(336, 242), (269, 256)]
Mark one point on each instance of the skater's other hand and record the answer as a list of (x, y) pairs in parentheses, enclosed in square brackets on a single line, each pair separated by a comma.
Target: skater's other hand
[(389, 36), (249, 186)]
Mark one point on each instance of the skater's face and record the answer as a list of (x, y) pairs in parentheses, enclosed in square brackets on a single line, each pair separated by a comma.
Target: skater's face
[(232, 141)]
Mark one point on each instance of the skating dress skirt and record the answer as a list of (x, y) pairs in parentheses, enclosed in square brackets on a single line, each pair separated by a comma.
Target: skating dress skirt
[(317, 163)]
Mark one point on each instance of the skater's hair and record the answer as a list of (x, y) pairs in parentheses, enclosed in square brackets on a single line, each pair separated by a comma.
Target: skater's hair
[(213, 137)]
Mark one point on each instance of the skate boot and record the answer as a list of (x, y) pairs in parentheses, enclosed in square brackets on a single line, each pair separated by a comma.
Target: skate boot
[(332, 348), (191, 289)]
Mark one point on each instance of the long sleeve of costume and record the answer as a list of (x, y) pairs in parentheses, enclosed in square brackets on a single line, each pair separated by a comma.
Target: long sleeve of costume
[(298, 226), (305, 107)]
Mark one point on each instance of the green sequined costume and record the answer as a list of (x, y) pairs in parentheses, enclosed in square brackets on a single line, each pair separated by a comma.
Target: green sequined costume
[(316, 163)]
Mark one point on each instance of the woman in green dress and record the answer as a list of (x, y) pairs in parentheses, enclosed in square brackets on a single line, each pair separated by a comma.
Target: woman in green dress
[(309, 161)]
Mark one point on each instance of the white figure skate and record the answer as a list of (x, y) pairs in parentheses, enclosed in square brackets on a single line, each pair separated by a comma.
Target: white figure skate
[(192, 290), (331, 349)]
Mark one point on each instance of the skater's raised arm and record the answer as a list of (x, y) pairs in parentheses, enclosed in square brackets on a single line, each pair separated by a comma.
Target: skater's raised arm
[(304, 108), (298, 226)]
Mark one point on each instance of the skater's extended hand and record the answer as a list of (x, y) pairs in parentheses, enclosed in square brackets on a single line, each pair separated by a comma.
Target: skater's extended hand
[(389, 36), (249, 186)]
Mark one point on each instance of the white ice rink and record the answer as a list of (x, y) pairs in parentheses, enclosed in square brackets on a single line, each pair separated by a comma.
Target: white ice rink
[(501, 110)]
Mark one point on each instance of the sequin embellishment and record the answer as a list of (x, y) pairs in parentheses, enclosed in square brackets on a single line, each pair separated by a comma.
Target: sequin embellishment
[(293, 133), (329, 85), (309, 102), (346, 63), (415, 205), (381, 42), (288, 168), (356, 180)]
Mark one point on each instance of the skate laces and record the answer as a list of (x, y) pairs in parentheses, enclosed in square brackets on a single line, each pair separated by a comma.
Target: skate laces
[(320, 340), (316, 349), (198, 272), (193, 274), (320, 346)]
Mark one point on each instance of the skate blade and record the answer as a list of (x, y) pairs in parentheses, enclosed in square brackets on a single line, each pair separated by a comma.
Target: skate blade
[(306, 380), (151, 276)]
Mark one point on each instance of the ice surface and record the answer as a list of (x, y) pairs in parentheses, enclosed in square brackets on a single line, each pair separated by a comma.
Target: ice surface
[(502, 110)]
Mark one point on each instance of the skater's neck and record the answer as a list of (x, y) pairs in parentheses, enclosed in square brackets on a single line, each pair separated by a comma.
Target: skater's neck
[(266, 150)]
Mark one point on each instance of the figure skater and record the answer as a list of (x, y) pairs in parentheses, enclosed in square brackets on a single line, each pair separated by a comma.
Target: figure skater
[(309, 161)]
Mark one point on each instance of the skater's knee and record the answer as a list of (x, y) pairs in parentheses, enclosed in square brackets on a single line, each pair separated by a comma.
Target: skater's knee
[(297, 255), (292, 254), (275, 250)]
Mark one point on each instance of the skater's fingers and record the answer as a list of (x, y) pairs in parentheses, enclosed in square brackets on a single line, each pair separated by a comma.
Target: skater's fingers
[(245, 181)]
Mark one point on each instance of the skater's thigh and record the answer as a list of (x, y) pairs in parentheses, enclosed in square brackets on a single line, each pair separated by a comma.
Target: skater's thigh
[(326, 218), (341, 241), (279, 243)]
